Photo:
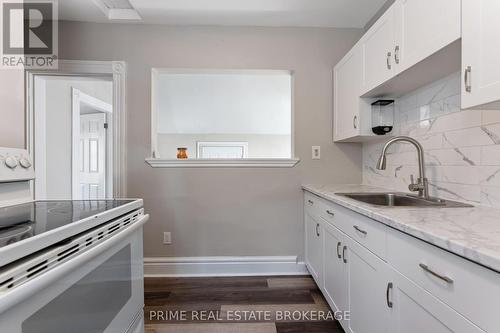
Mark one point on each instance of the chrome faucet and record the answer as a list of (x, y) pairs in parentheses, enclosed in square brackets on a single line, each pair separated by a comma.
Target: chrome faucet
[(422, 184)]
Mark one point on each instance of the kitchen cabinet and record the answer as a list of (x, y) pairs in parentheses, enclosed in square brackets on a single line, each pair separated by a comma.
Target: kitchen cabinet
[(392, 282), (347, 87), (335, 283), (314, 247), (367, 286), (422, 28), (414, 310), (378, 45), (480, 54), (412, 44)]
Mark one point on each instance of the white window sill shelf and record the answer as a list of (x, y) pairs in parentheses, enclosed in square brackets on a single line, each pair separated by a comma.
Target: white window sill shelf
[(223, 163)]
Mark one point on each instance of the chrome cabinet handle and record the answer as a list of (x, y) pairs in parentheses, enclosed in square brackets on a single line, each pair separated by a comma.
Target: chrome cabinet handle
[(389, 56), (467, 75), (396, 54), (329, 212), (338, 250), (439, 276), (360, 230), (310, 202), (343, 254), (317, 229), (355, 122), (389, 287)]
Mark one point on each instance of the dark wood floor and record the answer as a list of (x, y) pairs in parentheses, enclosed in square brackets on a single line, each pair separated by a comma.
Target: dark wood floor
[(235, 305)]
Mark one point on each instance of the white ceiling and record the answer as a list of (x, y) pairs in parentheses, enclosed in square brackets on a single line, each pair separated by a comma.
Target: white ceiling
[(301, 13)]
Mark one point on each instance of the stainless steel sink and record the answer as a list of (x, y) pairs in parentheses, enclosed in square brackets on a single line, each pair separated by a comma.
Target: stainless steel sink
[(401, 200)]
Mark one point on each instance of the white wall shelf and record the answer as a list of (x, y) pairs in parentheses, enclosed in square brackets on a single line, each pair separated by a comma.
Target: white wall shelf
[(223, 163)]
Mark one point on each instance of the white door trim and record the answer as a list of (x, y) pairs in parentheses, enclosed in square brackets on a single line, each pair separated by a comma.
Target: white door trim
[(118, 71), (223, 266)]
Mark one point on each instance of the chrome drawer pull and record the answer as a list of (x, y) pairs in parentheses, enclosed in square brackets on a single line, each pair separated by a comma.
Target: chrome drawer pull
[(343, 254), (330, 212), (338, 250), (389, 302), (439, 276), (310, 202), (360, 230)]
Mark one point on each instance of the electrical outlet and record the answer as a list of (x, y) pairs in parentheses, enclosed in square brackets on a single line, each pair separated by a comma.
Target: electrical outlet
[(167, 238), (316, 152)]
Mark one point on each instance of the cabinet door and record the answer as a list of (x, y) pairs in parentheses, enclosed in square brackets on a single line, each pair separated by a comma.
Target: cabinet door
[(314, 247), (480, 52), (368, 280), (378, 47), (347, 88), (335, 274), (423, 28), (414, 310)]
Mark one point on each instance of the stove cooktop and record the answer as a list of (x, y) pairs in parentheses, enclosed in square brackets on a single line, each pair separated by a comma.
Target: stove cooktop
[(30, 219)]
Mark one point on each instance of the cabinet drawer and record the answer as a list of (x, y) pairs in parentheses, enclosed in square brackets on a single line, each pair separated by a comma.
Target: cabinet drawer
[(470, 289), (313, 204), (369, 233)]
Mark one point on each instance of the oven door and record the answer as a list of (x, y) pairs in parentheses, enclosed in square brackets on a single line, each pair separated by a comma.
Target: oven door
[(100, 290)]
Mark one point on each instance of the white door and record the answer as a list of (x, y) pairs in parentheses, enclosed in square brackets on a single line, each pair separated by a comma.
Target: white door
[(335, 270), (348, 75), (314, 247), (423, 28), (480, 52), (378, 50), (414, 310), (92, 175), (368, 283)]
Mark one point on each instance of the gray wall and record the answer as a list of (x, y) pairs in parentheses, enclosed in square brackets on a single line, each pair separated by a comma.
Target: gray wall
[(213, 212)]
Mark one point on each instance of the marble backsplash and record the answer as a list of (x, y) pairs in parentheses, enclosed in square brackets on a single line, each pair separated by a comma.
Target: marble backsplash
[(462, 147)]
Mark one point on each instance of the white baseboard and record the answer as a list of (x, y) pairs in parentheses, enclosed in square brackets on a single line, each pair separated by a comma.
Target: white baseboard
[(223, 266)]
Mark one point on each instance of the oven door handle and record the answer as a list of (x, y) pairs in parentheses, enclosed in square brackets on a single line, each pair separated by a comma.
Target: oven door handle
[(30, 288)]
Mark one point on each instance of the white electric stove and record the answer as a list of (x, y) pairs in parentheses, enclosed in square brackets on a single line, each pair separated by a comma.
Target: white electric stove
[(67, 266)]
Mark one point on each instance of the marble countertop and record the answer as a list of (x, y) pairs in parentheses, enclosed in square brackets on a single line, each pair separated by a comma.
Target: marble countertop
[(472, 233)]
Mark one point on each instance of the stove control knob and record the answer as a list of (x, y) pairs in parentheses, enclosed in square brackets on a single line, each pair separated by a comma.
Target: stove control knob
[(25, 163), (11, 162)]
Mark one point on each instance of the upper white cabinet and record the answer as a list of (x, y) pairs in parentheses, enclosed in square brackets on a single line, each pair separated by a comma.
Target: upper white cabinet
[(408, 32), (413, 43), (378, 45), (481, 53), (347, 78), (423, 28)]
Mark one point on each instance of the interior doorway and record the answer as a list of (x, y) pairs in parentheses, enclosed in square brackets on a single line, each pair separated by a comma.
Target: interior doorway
[(73, 137)]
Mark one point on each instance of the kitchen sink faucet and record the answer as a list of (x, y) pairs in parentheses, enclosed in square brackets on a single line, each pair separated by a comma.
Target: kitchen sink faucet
[(422, 184)]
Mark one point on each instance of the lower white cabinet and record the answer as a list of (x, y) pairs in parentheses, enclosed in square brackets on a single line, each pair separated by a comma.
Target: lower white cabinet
[(401, 293), (335, 282), (368, 281), (314, 247), (355, 280), (414, 310)]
